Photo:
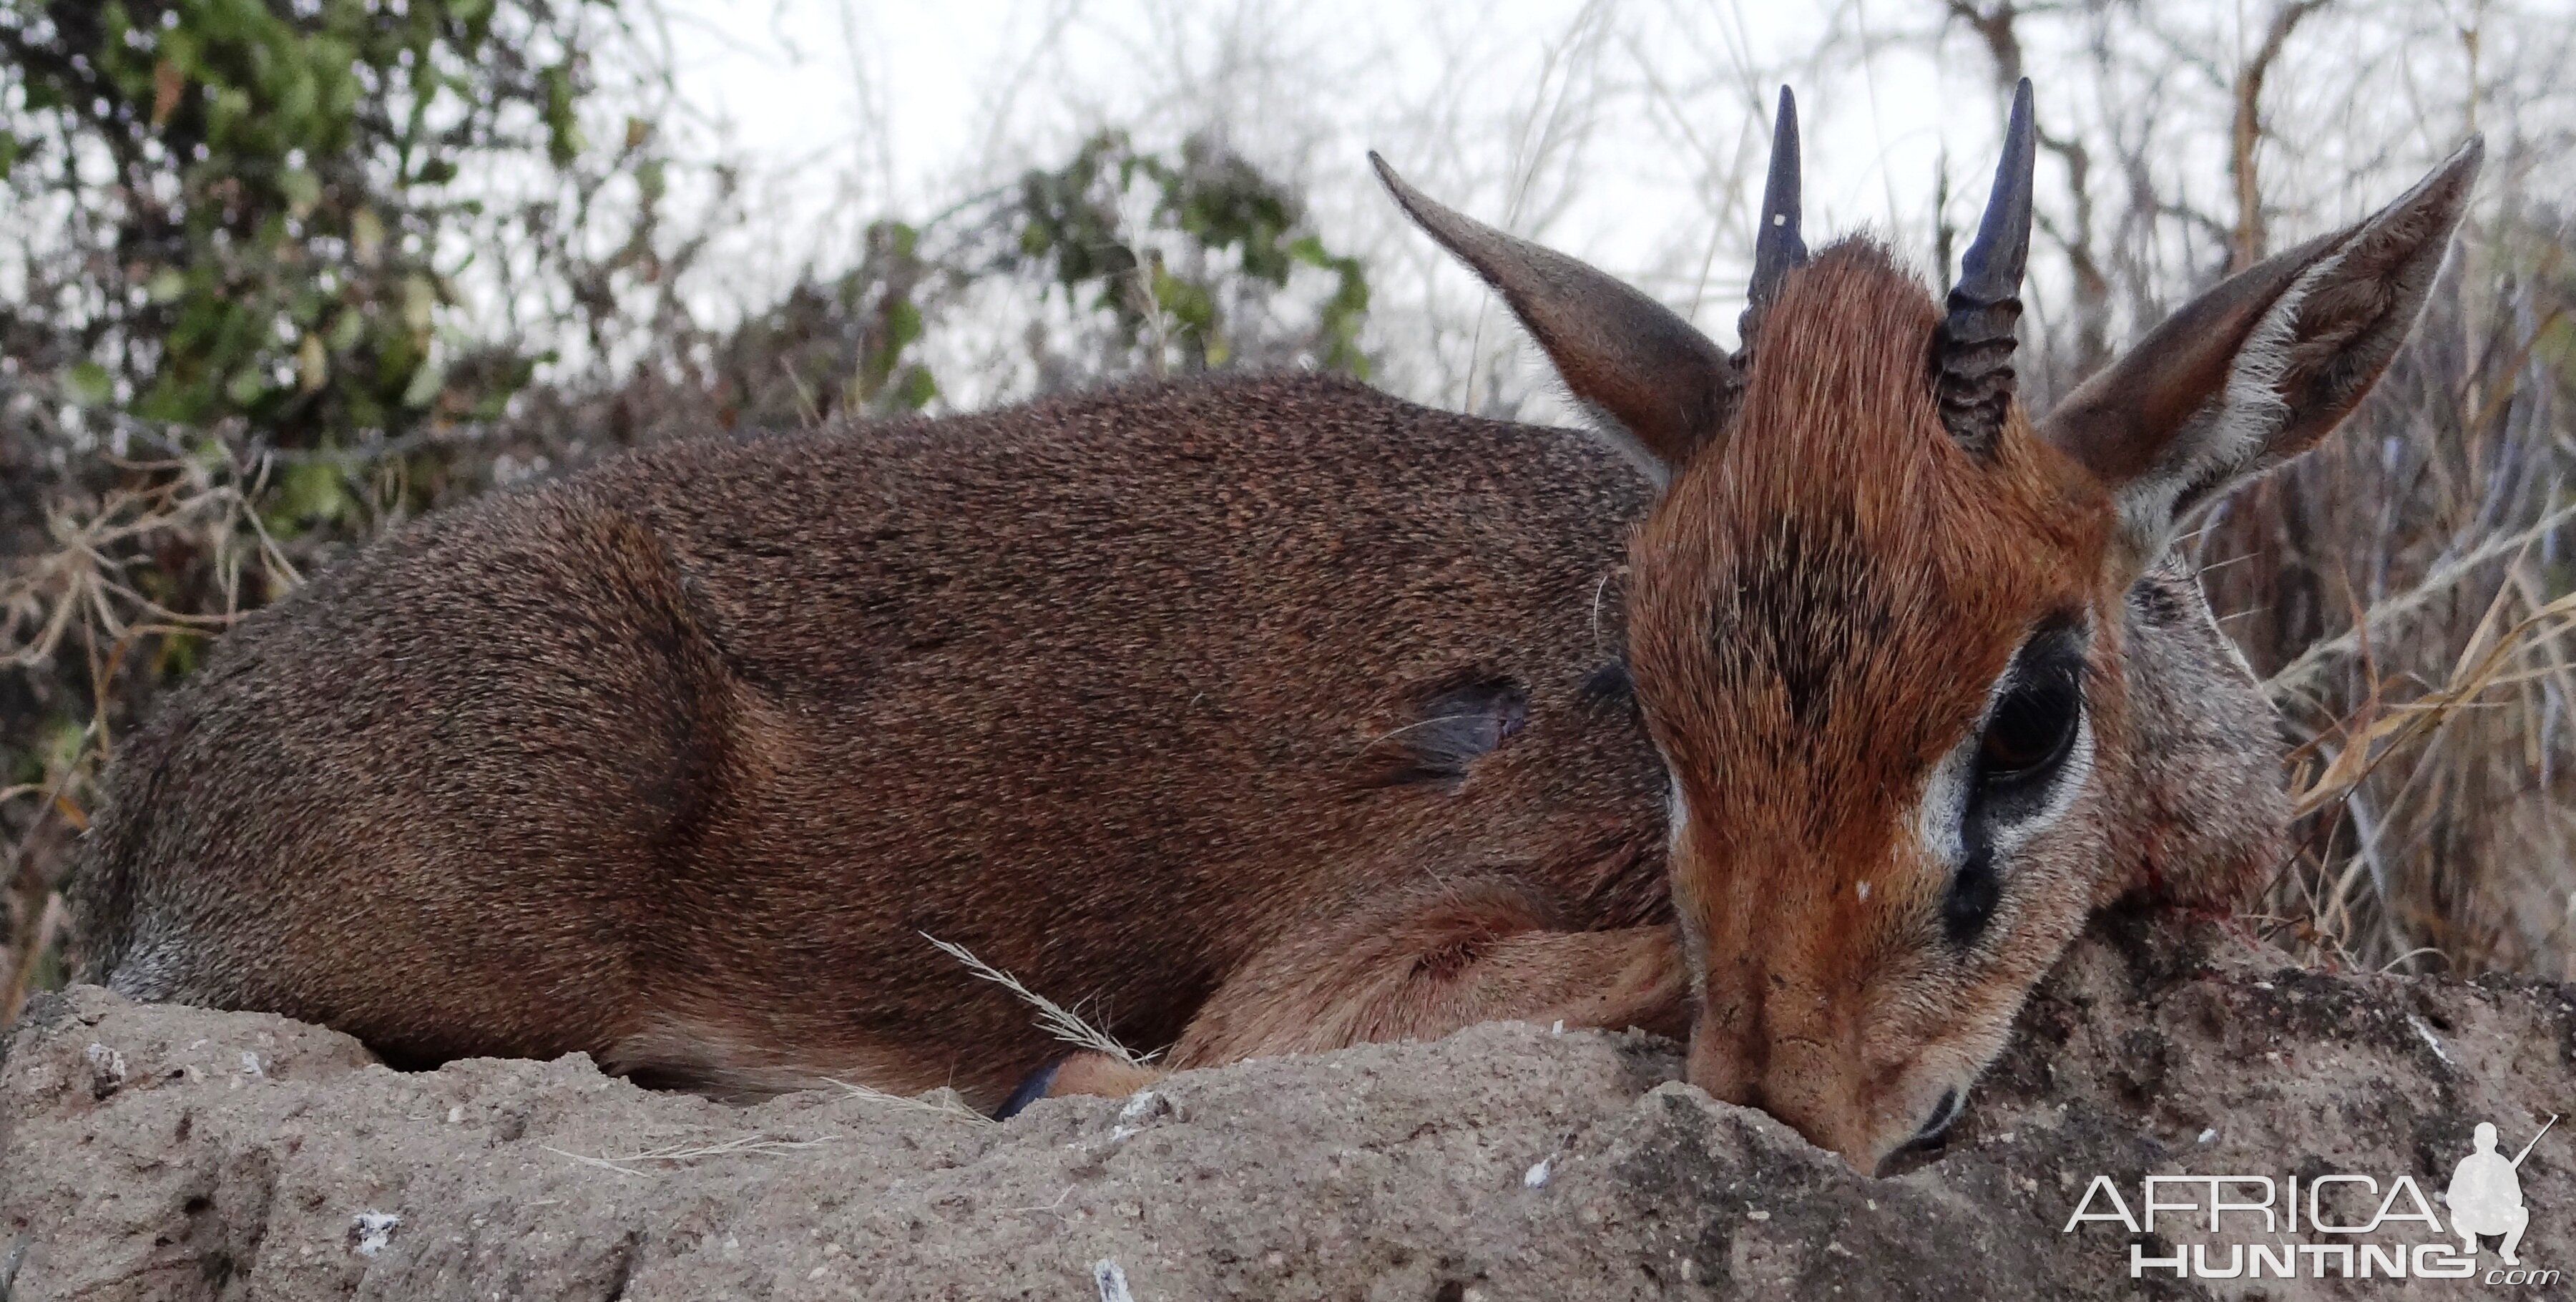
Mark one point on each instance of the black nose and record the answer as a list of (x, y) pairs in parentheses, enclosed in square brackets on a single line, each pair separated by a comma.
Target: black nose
[(1944, 1113)]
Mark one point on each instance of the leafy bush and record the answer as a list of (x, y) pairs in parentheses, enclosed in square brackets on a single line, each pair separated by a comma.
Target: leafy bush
[(250, 345)]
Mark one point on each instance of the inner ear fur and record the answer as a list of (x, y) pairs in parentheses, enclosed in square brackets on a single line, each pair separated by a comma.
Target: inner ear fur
[(2260, 368), (1632, 360)]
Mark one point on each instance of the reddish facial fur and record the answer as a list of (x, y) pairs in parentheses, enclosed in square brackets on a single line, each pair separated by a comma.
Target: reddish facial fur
[(1819, 607)]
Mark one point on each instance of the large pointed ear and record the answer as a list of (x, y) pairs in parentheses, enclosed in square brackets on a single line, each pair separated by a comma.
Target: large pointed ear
[(1667, 388), (2257, 370)]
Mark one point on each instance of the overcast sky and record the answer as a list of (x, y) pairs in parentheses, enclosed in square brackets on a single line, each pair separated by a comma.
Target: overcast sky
[(913, 102), (1628, 132), (1631, 133)]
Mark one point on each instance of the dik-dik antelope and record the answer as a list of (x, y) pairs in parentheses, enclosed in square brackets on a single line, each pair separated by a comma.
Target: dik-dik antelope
[(1274, 715)]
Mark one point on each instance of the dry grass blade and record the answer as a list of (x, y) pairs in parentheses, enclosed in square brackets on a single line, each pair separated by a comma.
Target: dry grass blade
[(1054, 1018), (2416, 719), (2295, 676), (747, 1145), (945, 1104)]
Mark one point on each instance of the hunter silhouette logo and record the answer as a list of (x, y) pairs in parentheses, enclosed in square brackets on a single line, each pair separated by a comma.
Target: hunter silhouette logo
[(2486, 1195), (2323, 1226)]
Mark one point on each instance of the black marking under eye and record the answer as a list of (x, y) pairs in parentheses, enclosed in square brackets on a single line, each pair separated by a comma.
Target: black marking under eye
[(1974, 892), (2021, 757)]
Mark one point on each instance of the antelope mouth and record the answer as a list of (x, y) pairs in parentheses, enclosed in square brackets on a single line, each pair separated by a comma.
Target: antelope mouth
[(1929, 1141)]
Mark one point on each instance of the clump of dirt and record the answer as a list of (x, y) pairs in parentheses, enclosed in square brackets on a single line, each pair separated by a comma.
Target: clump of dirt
[(167, 1152)]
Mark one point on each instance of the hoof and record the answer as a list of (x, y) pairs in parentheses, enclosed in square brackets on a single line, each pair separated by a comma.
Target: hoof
[(1030, 1090)]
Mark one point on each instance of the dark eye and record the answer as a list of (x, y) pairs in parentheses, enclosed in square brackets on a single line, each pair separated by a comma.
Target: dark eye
[(2027, 739), (2033, 726)]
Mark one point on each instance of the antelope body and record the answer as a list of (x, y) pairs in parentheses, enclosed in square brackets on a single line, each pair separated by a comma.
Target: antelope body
[(1276, 715)]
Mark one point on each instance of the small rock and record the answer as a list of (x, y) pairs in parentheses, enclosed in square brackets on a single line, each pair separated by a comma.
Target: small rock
[(106, 1070), (1111, 1281), (375, 1230)]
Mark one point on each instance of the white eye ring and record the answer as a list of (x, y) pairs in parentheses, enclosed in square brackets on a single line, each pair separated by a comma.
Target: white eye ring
[(1940, 823)]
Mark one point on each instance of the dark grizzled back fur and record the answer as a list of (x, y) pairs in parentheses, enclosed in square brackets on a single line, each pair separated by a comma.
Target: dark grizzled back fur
[(675, 760)]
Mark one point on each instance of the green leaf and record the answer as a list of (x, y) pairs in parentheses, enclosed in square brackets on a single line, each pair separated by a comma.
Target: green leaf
[(366, 237), (89, 384), (312, 364), (306, 494), (426, 383), (903, 324), (420, 299), (301, 189), (247, 386), (563, 132), (916, 389), (63, 745), (345, 331), (179, 656)]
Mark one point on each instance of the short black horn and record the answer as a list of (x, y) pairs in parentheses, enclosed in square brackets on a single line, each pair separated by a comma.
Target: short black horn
[(1972, 352), (1777, 246)]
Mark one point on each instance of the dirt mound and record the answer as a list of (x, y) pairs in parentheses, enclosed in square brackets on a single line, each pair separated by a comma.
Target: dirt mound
[(165, 1152)]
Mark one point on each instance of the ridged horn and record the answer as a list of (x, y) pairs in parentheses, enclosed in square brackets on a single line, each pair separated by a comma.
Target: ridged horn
[(1777, 246), (1972, 351)]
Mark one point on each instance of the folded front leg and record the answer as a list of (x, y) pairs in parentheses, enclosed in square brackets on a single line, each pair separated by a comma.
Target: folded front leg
[(1417, 967)]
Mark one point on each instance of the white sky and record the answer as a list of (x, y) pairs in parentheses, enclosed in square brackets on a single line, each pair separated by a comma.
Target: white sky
[(916, 102), (1631, 133), (853, 110)]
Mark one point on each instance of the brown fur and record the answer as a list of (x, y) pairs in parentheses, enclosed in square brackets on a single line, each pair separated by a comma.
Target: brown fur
[(1254, 716), (674, 761)]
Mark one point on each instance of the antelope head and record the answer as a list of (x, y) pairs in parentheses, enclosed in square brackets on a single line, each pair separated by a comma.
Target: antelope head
[(1926, 687)]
